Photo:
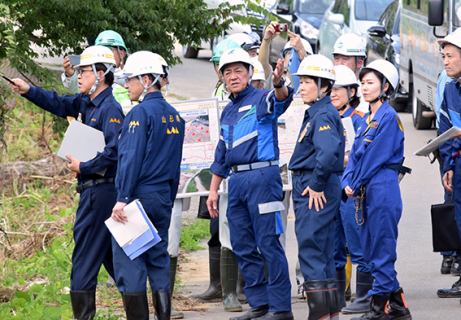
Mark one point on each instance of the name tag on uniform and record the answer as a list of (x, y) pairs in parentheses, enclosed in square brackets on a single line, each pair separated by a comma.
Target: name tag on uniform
[(245, 108)]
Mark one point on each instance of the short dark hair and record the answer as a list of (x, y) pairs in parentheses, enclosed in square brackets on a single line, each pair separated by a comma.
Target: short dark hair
[(323, 83), (355, 100), (380, 77), (109, 77), (157, 85)]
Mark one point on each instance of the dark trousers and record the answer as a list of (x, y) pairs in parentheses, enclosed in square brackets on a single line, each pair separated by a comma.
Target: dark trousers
[(92, 238)]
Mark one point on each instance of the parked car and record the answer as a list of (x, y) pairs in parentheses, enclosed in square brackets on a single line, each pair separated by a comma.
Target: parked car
[(303, 17), (344, 16), (384, 43)]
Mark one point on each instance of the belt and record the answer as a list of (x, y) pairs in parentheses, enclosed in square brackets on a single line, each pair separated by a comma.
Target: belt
[(254, 165), (398, 167), (93, 183)]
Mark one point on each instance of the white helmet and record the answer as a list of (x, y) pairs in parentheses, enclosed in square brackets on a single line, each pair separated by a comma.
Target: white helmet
[(345, 77), (246, 41), (316, 65), (234, 55), (306, 45), (350, 44), (141, 63), (97, 54), (389, 72), (319, 66), (453, 38), (258, 70)]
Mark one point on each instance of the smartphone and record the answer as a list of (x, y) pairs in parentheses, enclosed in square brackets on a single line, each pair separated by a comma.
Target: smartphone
[(74, 60), (7, 79), (281, 27)]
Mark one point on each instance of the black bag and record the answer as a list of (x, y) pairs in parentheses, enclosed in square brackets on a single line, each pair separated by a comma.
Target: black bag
[(203, 209), (445, 235)]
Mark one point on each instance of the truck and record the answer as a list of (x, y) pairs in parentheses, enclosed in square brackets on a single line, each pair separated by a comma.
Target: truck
[(423, 22)]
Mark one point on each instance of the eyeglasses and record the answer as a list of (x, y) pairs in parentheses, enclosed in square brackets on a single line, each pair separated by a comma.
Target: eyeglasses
[(81, 71)]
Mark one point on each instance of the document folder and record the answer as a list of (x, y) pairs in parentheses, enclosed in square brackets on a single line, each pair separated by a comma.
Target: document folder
[(81, 142), (138, 234)]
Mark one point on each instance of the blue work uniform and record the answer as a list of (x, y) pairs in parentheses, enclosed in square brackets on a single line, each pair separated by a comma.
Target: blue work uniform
[(450, 150), (249, 145), (378, 144), (346, 229), (150, 151), (91, 237), (317, 162)]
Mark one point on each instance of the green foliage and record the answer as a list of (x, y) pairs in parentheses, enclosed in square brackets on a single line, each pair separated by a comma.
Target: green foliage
[(5, 110), (192, 187), (192, 233), (60, 25)]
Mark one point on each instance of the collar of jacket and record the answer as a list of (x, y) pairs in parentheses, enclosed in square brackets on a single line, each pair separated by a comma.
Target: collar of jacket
[(153, 95), (101, 96), (317, 106), (242, 94)]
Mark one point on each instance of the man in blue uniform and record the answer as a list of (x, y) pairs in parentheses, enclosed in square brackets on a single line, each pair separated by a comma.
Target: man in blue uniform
[(449, 151), (95, 106), (248, 146), (150, 151)]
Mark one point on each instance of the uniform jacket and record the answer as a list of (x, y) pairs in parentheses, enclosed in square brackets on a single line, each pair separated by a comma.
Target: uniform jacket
[(102, 113), (450, 117), (150, 148), (320, 145), (378, 143), (249, 129)]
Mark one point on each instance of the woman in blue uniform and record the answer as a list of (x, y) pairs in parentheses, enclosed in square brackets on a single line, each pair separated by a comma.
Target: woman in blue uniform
[(316, 164), (344, 98), (372, 177)]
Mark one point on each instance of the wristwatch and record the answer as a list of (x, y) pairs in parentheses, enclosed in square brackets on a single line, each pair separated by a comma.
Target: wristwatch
[(281, 84)]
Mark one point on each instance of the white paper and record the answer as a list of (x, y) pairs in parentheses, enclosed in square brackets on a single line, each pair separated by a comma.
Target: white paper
[(126, 233), (81, 142), (350, 133), (437, 142)]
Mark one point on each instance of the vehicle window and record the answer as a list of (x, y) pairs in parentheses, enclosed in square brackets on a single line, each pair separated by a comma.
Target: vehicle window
[(457, 13), (289, 2), (345, 10), (370, 9), (313, 6), (337, 6), (391, 13)]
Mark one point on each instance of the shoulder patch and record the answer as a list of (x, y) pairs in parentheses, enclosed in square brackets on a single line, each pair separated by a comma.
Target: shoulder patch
[(323, 128), (360, 113), (115, 120)]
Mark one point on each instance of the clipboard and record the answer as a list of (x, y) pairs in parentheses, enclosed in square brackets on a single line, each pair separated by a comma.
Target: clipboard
[(437, 142), (81, 142)]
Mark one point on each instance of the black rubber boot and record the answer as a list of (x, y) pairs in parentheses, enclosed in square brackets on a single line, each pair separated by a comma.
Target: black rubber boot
[(136, 305), (173, 266), (254, 313), (318, 299), (214, 290), (162, 304), (277, 315), (453, 292), (83, 304), (447, 262), (341, 285), (333, 299), (378, 310), (454, 267), (361, 302), (398, 308), (229, 276), (240, 286)]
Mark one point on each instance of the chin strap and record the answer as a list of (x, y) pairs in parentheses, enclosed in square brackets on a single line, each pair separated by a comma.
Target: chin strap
[(122, 64), (349, 99), (141, 98), (382, 94), (319, 95), (93, 88)]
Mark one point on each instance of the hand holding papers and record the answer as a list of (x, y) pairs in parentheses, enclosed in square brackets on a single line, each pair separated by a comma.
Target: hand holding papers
[(138, 234), (437, 142)]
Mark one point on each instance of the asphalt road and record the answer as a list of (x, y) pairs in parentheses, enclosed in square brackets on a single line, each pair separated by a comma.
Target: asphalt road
[(417, 266)]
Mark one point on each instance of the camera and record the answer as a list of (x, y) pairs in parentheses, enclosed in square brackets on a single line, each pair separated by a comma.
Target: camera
[(281, 27)]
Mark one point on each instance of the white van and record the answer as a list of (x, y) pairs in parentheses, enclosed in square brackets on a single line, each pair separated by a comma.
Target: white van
[(348, 16)]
